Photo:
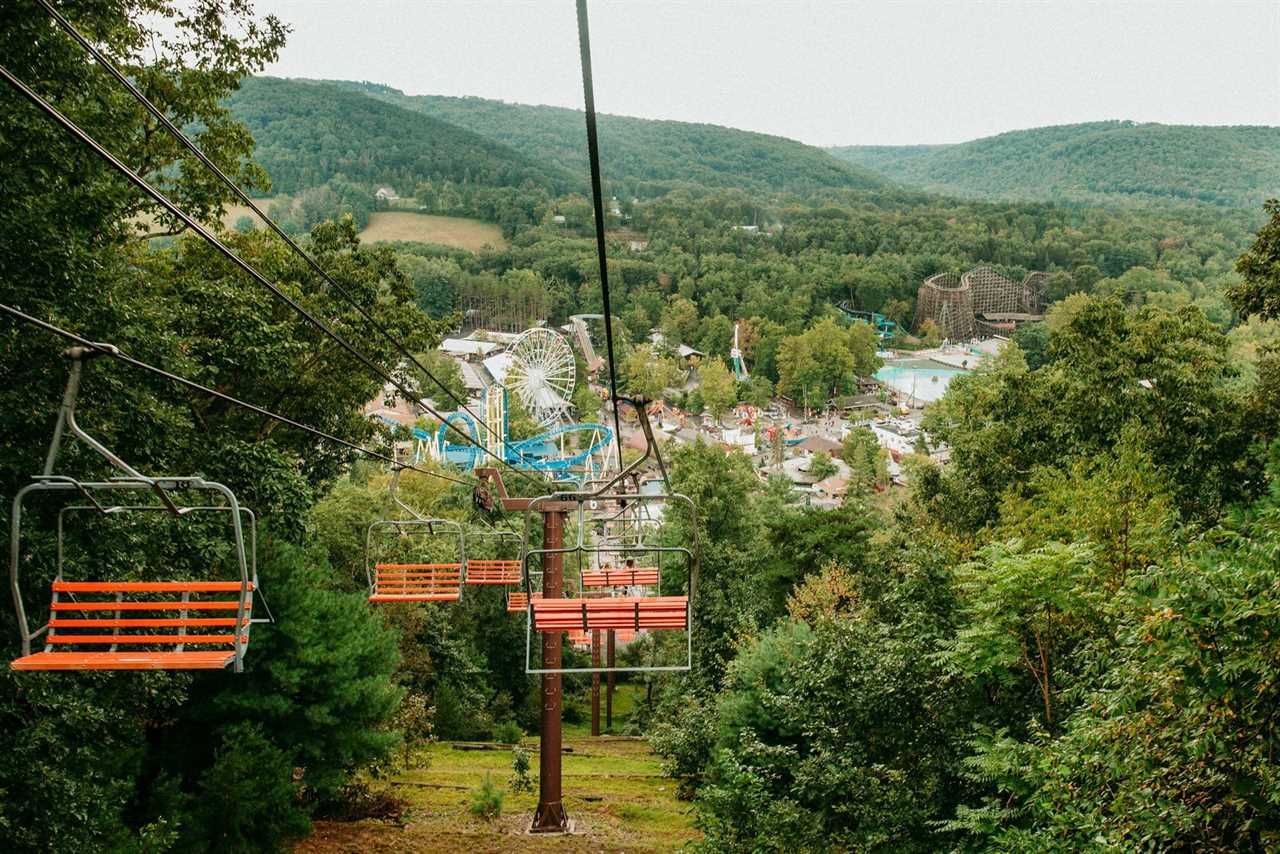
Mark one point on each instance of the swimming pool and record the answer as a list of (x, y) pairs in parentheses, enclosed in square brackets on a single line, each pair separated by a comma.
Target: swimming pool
[(926, 381)]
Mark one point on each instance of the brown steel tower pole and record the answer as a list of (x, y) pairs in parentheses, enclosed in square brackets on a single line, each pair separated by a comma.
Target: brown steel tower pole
[(550, 816), (595, 682), (608, 694)]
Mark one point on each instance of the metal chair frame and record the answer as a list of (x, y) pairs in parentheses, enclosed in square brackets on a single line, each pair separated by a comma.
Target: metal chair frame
[(412, 526), (583, 499), (163, 487)]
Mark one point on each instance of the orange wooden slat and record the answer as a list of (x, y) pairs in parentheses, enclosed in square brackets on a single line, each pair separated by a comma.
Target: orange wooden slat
[(620, 577), (417, 566), (140, 623), (166, 605), (414, 597), (166, 639), (453, 576), (187, 660), (147, 586)]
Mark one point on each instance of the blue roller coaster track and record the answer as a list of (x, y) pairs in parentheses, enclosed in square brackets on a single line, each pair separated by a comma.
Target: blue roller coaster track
[(540, 453)]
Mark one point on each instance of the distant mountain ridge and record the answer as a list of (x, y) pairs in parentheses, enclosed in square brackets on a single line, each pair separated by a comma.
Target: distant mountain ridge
[(648, 154), (308, 133), (1093, 163)]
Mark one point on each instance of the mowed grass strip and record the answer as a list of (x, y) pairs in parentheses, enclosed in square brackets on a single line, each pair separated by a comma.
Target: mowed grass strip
[(470, 234)]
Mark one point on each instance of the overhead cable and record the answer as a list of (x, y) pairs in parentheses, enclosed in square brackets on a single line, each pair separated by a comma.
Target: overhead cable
[(597, 198), (245, 199), (116, 353), (82, 136)]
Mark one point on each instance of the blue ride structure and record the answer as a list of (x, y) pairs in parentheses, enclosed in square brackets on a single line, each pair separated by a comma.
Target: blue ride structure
[(546, 453)]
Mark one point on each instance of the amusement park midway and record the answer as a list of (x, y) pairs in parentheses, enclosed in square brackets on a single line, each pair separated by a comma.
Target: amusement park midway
[(539, 379)]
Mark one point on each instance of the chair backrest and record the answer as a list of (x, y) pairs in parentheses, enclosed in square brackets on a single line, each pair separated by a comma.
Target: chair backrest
[(518, 603), (151, 615), (616, 576), (618, 612), (493, 572), (416, 582)]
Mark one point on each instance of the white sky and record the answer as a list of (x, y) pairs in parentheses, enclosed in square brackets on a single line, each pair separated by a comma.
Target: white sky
[(827, 73)]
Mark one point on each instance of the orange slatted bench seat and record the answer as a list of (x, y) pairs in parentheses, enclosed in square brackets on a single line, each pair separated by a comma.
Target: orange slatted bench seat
[(621, 612), (143, 632), (518, 603), (621, 576), (504, 572), (417, 582)]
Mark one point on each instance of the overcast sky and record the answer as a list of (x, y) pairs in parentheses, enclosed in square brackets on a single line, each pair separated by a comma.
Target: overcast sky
[(827, 73)]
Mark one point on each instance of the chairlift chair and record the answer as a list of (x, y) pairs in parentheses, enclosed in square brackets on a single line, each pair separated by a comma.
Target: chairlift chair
[(601, 604), (194, 624), (414, 559), (502, 569)]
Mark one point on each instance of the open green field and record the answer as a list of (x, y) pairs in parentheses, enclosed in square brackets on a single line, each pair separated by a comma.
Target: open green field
[(388, 226), (469, 234)]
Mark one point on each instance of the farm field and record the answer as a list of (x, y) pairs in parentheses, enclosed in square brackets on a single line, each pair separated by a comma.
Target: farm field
[(469, 234)]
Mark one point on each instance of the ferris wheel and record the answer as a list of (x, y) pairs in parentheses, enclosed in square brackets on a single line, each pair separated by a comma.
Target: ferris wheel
[(541, 374)]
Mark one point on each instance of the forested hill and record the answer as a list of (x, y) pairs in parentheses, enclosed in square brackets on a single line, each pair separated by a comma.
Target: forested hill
[(307, 133), (645, 156), (1098, 162)]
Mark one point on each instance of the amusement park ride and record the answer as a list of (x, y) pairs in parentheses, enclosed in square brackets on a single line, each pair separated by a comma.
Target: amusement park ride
[(735, 356), (886, 329), (540, 372)]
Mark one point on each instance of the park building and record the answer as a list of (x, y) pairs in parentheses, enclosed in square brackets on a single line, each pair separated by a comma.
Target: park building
[(980, 303)]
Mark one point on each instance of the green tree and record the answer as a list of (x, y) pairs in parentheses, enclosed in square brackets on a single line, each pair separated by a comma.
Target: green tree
[(826, 360), (1259, 293), (929, 333), (648, 375), (821, 466), (862, 453), (679, 322), (445, 383), (718, 387)]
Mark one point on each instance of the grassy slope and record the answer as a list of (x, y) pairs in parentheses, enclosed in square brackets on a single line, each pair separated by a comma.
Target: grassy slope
[(640, 150), (306, 133), (1098, 162)]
